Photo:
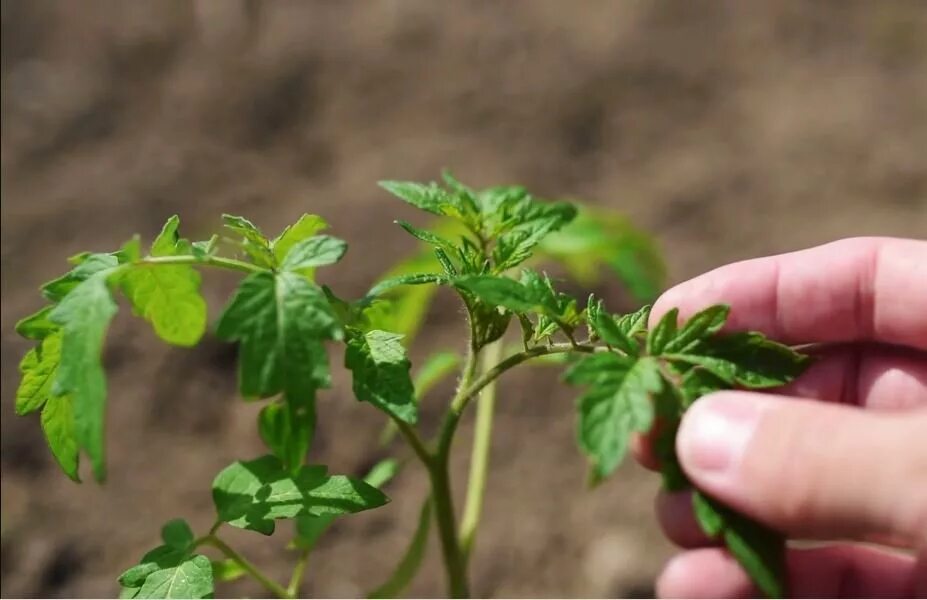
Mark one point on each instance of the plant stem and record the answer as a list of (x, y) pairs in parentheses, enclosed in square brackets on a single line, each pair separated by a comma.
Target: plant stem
[(213, 261), (299, 570), (412, 438), (479, 457), (268, 584), (454, 561), (439, 475)]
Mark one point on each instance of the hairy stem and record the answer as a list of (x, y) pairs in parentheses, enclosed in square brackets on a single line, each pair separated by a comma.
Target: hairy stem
[(479, 457), (299, 570), (439, 475), (268, 584), (212, 261)]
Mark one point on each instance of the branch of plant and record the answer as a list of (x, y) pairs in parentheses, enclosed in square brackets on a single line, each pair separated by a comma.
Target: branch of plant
[(298, 572), (213, 261), (479, 458), (268, 584)]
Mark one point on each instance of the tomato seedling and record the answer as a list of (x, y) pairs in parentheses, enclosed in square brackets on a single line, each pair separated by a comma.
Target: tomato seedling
[(286, 323)]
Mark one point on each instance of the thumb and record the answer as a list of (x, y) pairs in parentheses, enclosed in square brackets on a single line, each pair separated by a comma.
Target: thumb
[(811, 469)]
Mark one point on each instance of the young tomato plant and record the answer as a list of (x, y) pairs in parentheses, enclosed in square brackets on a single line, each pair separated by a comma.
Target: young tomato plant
[(284, 322)]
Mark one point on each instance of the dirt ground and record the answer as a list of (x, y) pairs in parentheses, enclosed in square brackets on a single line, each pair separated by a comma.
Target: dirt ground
[(729, 129)]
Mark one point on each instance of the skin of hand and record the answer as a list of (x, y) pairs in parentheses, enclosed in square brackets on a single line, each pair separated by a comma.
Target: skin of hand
[(841, 453)]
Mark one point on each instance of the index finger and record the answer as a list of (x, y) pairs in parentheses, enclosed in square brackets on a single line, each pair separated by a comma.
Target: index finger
[(850, 290)]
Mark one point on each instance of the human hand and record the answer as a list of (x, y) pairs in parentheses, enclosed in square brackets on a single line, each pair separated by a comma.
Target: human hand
[(840, 454)]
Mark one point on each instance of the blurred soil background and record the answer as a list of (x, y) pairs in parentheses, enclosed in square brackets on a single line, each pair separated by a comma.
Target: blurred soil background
[(729, 129)]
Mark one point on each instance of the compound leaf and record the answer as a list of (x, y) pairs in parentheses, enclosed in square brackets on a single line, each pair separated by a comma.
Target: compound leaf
[(748, 359), (758, 549), (699, 326), (254, 243), (36, 326), (287, 428), (499, 291), (252, 494), (618, 403), (409, 279), (281, 321), (38, 369), (306, 227), (310, 528), (167, 296), (177, 534), (428, 237), (316, 251), (662, 333), (191, 578), (87, 266), (84, 314), (58, 426), (381, 373)]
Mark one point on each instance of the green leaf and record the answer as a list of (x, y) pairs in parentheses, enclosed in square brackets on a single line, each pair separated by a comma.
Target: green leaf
[(665, 330), (310, 528), (88, 266), (758, 549), (381, 373), (698, 382), (608, 330), (252, 494), (36, 326), (177, 534), (408, 279), (306, 227), (287, 428), (533, 223), (445, 261), (430, 197), (747, 359), (58, 426), (38, 369), (169, 572), (192, 578), (428, 237), (404, 308), (281, 321), (499, 291), (227, 570), (618, 404), (633, 323), (84, 315), (700, 325), (411, 561), (254, 243), (167, 296), (316, 251)]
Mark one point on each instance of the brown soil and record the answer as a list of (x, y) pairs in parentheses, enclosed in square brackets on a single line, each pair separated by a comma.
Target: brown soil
[(729, 129)]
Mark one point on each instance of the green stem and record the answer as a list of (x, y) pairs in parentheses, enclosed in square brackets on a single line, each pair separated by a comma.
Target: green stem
[(479, 458), (439, 475), (299, 570), (454, 562), (412, 438), (213, 261), (268, 584)]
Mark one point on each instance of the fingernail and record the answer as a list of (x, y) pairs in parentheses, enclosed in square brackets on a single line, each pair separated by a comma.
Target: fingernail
[(715, 433)]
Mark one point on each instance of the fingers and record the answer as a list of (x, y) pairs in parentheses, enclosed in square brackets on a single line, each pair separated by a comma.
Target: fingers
[(850, 290), (868, 375), (874, 376), (842, 571), (810, 469)]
